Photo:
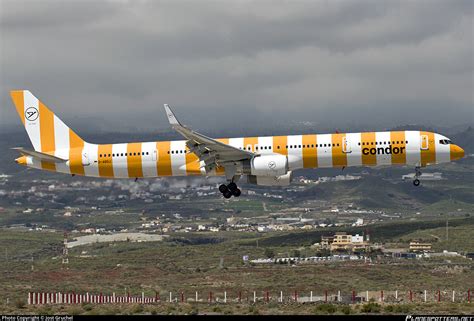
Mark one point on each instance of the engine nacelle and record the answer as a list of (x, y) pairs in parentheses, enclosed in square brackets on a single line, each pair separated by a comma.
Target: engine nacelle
[(282, 180), (269, 165)]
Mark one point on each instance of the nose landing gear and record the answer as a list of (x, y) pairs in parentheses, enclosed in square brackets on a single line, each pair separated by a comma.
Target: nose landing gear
[(416, 181), (229, 190)]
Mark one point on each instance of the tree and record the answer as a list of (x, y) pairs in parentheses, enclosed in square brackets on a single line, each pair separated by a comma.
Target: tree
[(269, 253)]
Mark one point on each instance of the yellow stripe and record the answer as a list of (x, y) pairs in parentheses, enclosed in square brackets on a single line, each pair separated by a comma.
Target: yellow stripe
[(193, 166), (47, 134), (219, 169), (397, 140), (134, 160), (106, 168), (76, 145), (310, 157), (280, 144), (252, 141), (428, 156), (368, 141), (17, 97), (339, 158), (163, 166), (46, 128)]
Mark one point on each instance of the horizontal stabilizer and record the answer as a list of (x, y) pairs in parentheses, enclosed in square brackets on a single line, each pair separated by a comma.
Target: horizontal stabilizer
[(41, 156)]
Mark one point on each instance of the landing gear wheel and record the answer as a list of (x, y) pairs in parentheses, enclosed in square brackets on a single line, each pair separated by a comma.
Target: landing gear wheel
[(232, 186), (223, 188), (227, 194), (236, 192), (416, 182)]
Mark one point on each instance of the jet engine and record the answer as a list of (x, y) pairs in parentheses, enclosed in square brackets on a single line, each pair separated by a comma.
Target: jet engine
[(282, 180), (268, 165)]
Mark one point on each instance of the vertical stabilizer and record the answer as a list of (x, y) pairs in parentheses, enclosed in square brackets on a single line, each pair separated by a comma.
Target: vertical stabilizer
[(46, 131)]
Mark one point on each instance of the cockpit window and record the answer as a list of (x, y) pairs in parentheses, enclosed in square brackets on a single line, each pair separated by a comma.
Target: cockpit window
[(445, 141)]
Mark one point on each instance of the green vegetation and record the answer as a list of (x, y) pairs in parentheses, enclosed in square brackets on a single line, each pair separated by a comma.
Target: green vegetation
[(378, 232), (371, 307), (459, 237), (325, 308)]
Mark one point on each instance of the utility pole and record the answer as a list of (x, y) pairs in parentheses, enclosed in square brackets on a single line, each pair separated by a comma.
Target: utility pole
[(65, 252), (447, 231)]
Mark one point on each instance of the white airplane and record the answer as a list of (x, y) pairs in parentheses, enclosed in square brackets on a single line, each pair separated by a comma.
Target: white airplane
[(268, 160)]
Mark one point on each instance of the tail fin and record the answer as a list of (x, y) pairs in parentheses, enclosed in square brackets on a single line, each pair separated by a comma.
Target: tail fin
[(46, 131)]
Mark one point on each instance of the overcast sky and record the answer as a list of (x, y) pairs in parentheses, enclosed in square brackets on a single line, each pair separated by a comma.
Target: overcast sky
[(240, 63)]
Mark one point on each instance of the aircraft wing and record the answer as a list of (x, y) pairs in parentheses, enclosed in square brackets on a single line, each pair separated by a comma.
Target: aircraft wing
[(209, 150), (40, 156)]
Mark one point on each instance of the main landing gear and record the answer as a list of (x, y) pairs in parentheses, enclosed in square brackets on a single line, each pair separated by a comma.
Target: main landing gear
[(229, 190), (416, 181)]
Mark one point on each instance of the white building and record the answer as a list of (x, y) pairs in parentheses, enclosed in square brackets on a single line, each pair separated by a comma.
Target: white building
[(357, 238)]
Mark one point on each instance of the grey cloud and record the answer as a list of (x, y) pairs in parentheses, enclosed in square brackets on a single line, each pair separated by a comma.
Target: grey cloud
[(226, 60)]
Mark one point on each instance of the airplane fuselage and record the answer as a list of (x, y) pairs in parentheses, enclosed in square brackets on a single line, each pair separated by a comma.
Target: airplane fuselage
[(173, 158)]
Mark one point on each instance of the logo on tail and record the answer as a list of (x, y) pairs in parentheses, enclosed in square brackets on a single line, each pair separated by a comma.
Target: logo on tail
[(31, 113)]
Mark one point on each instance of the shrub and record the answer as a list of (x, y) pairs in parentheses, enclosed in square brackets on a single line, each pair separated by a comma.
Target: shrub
[(87, 306), (402, 308), (389, 308), (325, 308), (20, 303), (371, 307), (136, 309), (194, 311), (74, 311), (346, 309), (269, 253)]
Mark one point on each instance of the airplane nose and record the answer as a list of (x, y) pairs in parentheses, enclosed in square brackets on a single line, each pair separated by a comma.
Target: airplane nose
[(21, 160), (456, 152)]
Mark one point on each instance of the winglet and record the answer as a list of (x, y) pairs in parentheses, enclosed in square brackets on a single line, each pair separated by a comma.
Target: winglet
[(171, 117)]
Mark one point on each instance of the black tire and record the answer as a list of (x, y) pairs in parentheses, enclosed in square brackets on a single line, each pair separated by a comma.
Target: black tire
[(223, 188), (416, 182), (232, 186), (227, 194), (237, 192)]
